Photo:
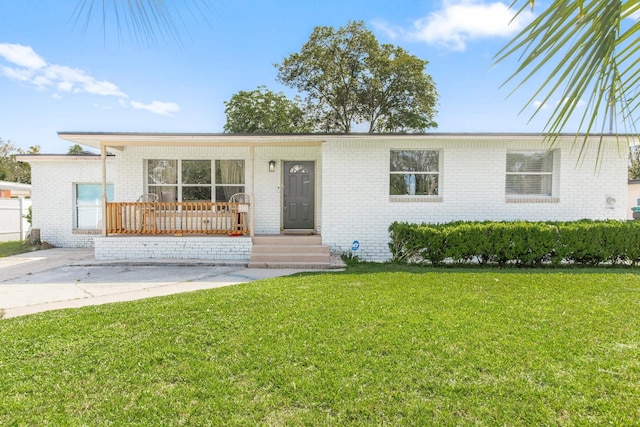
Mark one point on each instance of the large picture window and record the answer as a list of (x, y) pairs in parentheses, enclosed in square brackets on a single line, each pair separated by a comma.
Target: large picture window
[(229, 179), (195, 180), (414, 173), (529, 173), (88, 205)]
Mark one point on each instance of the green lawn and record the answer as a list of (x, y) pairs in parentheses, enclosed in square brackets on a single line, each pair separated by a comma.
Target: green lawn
[(15, 248), (375, 345)]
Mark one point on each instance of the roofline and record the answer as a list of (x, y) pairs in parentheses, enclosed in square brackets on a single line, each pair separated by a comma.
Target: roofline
[(325, 135), (14, 185), (65, 157), (118, 140)]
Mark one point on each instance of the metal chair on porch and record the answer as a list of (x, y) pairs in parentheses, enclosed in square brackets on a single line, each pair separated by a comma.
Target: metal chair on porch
[(147, 213), (241, 225)]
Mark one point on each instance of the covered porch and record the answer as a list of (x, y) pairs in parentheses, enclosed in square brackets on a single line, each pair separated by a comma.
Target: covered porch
[(195, 176), (192, 213)]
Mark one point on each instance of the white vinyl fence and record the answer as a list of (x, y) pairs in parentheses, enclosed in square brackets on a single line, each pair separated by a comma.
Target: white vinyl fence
[(13, 224)]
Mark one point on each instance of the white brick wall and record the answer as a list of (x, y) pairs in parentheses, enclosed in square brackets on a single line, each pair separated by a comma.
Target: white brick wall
[(191, 247), (352, 188), (53, 195), (472, 187)]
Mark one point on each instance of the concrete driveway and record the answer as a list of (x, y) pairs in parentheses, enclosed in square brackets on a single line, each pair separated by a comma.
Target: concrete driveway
[(65, 278)]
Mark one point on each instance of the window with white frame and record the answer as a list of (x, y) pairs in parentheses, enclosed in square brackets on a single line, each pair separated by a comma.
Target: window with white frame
[(414, 173), (88, 205), (195, 180), (529, 173)]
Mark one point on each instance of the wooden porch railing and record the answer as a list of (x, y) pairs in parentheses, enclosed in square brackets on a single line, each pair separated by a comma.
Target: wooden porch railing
[(177, 218)]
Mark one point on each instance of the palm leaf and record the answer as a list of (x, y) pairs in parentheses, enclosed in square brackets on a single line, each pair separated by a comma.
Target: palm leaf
[(587, 58), (142, 20)]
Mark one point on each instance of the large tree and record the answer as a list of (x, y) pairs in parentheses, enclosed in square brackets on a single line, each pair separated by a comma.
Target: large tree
[(348, 78), (264, 111), (587, 52)]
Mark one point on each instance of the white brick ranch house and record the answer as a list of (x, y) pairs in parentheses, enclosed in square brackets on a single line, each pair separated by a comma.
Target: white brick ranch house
[(345, 190)]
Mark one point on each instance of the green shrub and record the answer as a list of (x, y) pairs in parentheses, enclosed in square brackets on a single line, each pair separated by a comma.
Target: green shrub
[(520, 243), (432, 243), (467, 242)]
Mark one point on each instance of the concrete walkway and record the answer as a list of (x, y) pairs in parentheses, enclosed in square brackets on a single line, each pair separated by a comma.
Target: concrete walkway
[(54, 279)]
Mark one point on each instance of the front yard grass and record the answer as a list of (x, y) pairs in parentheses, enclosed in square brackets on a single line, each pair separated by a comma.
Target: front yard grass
[(375, 345), (15, 248)]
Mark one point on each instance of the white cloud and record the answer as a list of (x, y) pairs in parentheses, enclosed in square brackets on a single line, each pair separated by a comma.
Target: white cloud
[(103, 88), (157, 107), (65, 86), (22, 56), (539, 105), (578, 103), (75, 80), (41, 82), (543, 106), (28, 67), (20, 74), (388, 30), (459, 21)]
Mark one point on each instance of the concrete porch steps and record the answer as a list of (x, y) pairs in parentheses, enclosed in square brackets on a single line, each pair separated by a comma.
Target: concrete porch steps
[(290, 251)]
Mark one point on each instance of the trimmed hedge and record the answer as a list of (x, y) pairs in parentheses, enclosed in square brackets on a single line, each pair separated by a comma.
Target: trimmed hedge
[(520, 243)]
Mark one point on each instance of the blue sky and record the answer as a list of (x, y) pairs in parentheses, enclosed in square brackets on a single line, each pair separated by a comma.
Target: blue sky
[(55, 76)]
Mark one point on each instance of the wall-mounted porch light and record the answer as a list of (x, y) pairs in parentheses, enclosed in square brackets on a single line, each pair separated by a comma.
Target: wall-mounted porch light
[(272, 165)]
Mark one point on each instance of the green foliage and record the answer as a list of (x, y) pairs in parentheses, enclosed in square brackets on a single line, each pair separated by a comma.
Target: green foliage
[(15, 248), (586, 52), (76, 149), (434, 246), (406, 243), (263, 111), (29, 215), (517, 243), (349, 78), (12, 170)]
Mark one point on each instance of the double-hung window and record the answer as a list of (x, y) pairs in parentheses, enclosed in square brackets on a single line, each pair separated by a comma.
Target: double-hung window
[(414, 173), (88, 205), (529, 173), (195, 180)]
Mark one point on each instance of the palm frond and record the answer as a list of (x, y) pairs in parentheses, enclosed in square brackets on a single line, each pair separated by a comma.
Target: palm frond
[(145, 21), (587, 58)]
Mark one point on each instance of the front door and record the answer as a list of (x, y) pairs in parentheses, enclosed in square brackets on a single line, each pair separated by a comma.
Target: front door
[(299, 189)]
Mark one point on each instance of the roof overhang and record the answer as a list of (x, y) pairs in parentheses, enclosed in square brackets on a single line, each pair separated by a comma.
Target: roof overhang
[(34, 158), (120, 140), (14, 186)]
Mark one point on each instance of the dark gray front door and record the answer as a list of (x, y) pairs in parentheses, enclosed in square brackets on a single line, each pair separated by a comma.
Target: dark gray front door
[(298, 195)]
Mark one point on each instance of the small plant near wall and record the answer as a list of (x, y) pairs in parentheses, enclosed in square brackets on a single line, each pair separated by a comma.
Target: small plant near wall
[(29, 217)]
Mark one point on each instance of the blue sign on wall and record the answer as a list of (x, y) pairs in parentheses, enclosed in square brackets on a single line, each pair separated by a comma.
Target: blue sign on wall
[(355, 245)]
